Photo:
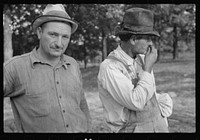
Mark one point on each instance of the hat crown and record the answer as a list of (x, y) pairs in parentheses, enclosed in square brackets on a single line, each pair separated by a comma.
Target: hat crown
[(137, 21), (54, 12), (56, 9), (138, 17)]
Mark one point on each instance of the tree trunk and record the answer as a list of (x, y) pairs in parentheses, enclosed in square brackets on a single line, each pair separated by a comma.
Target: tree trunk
[(158, 52), (104, 44), (85, 56), (157, 45), (8, 50), (175, 43), (85, 63)]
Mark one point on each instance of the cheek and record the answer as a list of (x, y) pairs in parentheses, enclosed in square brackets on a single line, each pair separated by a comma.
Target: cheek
[(65, 44), (45, 41), (143, 45)]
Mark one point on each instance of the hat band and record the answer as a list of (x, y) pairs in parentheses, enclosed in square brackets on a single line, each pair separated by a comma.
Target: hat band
[(58, 13), (138, 28)]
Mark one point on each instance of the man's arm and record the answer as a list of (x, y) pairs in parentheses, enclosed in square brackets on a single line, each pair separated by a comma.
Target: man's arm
[(8, 81), (83, 103), (122, 89), (85, 109)]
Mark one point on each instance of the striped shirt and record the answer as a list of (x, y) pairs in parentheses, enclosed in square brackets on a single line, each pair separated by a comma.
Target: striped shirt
[(46, 98)]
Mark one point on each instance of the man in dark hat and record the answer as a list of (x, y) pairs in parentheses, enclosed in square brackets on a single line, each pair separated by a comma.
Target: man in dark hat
[(126, 81), (45, 86)]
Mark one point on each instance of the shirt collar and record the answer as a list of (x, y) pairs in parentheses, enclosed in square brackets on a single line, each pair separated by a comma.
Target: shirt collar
[(123, 56), (35, 58)]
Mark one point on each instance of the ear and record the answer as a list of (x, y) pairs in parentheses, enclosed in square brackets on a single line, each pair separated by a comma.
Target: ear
[(132, 40), (39, 32)]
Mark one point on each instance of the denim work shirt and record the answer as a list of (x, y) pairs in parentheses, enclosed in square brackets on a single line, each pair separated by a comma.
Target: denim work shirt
[(44, 98)]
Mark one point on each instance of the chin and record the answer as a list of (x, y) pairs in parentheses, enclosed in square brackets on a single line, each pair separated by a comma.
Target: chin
[(57, 54)]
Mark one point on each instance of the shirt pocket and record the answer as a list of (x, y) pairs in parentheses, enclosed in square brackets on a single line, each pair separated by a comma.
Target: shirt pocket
[(38, 104), (38, 95)]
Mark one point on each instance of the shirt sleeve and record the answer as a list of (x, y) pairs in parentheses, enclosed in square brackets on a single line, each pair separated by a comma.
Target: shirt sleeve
[(165, 103), (8, 81), (83, 102), (124, 92), (85, 109)]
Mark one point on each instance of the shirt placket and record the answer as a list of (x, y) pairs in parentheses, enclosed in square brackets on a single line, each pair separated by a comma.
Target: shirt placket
[(60, 98)]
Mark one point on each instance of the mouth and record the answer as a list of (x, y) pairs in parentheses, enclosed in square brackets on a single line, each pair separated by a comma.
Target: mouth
[(57, 49)]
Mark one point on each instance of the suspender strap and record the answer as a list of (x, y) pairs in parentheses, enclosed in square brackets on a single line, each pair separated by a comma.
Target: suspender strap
[(115, 58)]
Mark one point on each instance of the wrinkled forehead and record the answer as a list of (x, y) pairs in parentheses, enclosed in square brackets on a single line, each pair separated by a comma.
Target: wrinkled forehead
[(56, 26), (49, 23)]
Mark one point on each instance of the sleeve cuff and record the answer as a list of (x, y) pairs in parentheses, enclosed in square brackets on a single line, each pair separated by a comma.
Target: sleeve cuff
[(147, 77)]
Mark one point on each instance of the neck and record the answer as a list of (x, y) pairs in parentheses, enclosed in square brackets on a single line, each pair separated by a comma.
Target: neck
[(127, 49), (53, 61)]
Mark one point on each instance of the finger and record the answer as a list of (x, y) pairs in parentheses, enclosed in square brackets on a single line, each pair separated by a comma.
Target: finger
[(154, 50), (148, 50)]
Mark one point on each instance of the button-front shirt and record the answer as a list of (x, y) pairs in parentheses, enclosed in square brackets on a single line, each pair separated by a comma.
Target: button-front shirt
[(123, 85), (46, 98)]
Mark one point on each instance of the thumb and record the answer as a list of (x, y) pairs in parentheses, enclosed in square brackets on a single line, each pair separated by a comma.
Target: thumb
[(148, 50)]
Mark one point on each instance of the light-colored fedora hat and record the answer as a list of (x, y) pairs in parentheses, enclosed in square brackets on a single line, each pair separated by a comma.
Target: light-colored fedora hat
[(54, 12), (137, 21)]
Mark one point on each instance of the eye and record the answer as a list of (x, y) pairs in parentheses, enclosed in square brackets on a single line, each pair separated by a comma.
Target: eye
[(53, 34), (138, 37), (65, 36)]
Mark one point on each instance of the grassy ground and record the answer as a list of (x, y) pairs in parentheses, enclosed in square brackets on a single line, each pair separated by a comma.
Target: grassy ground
[(175, 77)]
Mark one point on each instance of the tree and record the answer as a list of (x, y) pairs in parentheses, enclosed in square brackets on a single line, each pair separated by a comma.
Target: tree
[(23, 39), (8, 51), (85, 42), (96, 23), (94, 35), (175, 23)]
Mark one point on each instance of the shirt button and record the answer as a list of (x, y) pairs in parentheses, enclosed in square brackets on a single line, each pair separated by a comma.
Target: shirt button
[(57, 82), (59, 96), (67, 125), (63, 111)]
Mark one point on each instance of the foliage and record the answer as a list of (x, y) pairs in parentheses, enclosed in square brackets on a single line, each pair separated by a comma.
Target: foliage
[(174, 22)]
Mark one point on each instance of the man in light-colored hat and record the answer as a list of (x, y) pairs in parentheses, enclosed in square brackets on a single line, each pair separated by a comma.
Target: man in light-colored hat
[(45, 86), (126, 81)]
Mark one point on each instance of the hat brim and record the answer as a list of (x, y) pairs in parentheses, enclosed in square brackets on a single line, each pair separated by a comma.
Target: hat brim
[(47, 18), (154, 33)]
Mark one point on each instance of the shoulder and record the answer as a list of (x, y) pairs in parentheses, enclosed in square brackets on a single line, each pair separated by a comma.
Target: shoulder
[(69, 59), (73, 63), (17, 60), (112, 65)]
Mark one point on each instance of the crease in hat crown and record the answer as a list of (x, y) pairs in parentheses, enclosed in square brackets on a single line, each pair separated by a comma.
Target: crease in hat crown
[(53, 7), (137, 21), (54, 12)]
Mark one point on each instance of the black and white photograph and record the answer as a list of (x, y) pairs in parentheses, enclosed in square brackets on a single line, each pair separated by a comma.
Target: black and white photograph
[(99, 68)]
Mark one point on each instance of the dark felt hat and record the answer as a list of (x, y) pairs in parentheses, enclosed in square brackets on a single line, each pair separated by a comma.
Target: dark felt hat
[(54, 12), (137, 21)]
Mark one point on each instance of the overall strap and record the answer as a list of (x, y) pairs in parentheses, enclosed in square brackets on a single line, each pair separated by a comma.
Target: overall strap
[(115, 58)]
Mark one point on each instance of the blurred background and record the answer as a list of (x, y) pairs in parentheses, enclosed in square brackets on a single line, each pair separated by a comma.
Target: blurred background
[(94, 40)]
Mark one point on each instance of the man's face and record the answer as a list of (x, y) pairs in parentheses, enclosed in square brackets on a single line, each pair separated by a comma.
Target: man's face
[(140, 43), (54, 38)]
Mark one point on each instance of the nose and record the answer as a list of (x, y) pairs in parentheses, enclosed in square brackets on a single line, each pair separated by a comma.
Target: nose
[(59, 41)]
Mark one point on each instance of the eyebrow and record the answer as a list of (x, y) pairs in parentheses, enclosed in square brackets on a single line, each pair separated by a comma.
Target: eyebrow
[(53, 32)]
